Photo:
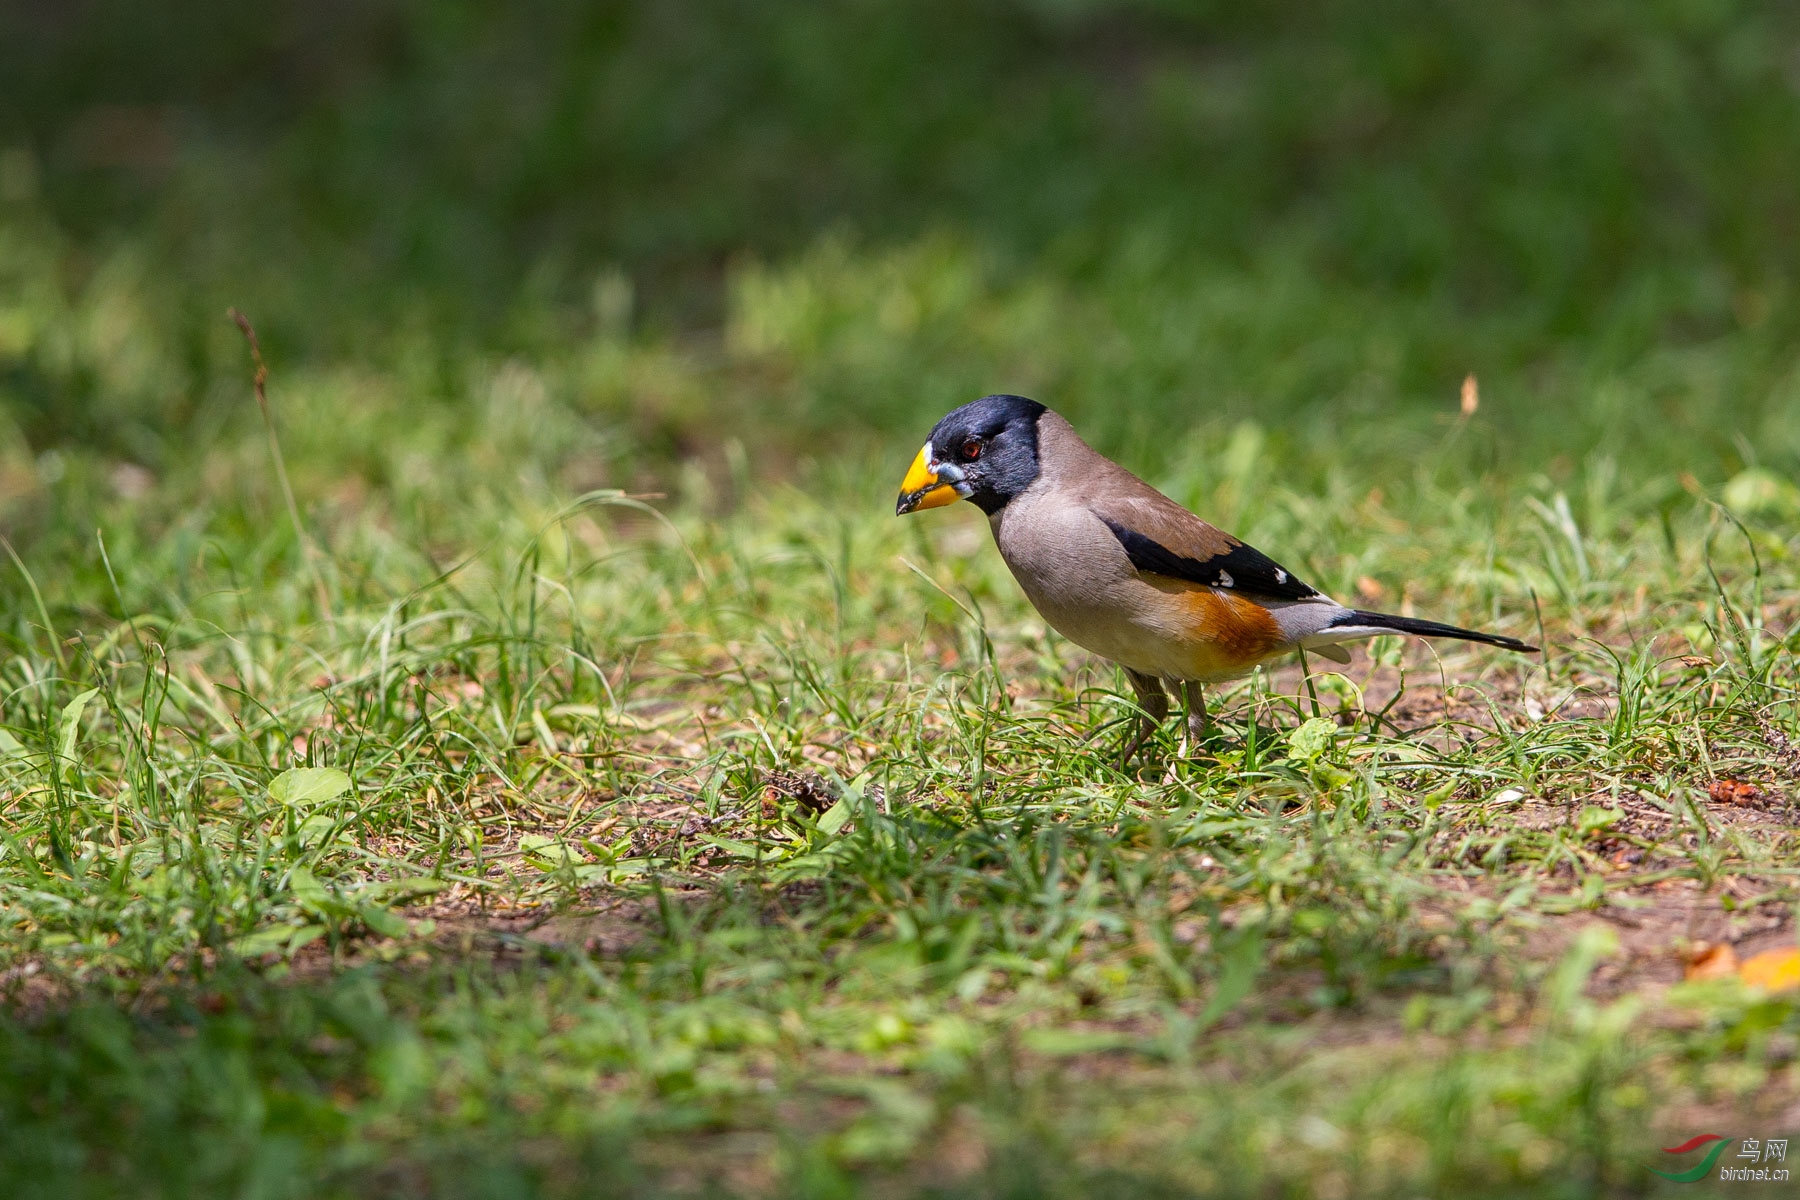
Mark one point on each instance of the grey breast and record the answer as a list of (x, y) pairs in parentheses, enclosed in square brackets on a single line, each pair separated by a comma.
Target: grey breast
[(1068, 563)]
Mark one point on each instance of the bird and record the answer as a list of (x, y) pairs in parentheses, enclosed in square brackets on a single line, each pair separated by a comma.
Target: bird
[(1123, 571)]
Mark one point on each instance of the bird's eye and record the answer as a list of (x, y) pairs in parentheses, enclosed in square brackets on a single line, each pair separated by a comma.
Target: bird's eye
[(971, 449)]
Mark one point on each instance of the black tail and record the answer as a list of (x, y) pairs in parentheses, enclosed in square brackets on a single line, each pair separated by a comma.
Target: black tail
[(1360, 619)]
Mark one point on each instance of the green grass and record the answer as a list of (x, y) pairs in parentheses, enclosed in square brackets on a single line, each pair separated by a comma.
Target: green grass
[(670, 819)]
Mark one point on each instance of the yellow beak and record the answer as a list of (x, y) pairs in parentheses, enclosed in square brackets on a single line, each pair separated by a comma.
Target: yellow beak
[(922, 488)]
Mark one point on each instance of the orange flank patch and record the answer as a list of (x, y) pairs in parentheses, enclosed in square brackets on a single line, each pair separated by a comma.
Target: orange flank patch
[(1231, 632)]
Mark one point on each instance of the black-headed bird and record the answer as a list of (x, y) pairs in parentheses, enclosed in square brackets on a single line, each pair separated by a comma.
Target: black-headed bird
[(1121, 570)]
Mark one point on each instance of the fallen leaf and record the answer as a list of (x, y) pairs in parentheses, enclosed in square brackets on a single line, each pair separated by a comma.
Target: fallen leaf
[(1706, 961), (809, 790), (1733, 791), (1370, 589), (1776, 970)]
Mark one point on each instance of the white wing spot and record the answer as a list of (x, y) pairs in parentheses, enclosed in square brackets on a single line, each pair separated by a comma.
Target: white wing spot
[(1280, 575), (1225, 579)]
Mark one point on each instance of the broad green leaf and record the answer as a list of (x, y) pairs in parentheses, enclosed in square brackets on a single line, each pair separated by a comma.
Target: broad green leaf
[(315, 828), (263, 941), (1328, 776), (305, 787), (835, 817), (1312, 739), (381, 921), (744, 849), (69, 729), (11, 747), (1593, 819), (310, 894), (547, 852)]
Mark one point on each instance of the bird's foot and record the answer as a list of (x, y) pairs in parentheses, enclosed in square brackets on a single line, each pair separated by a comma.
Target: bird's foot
[(1137, 740), (1201, 748)]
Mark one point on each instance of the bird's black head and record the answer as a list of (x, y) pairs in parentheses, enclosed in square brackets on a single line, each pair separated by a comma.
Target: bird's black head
[(985, 452)]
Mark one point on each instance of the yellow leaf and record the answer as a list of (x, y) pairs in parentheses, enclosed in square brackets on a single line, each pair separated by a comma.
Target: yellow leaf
[(1776, 970)]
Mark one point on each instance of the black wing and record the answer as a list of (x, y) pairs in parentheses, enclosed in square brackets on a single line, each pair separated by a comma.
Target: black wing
[(1241, 568)]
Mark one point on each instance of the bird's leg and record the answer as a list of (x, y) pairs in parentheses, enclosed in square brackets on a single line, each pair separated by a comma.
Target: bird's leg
[(1155, 703), (1198, 724), (1194, 728)]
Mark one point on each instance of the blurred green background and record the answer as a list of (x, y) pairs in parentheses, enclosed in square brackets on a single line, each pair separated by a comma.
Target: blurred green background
[(740, 257), (594, 241)]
